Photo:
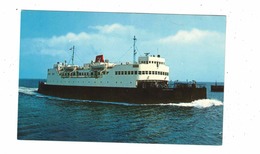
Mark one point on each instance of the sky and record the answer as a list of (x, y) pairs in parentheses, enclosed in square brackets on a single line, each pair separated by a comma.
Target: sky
[(193, 45)]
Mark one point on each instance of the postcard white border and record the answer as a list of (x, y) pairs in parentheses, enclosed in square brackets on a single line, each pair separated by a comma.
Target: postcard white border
[(241, 104)]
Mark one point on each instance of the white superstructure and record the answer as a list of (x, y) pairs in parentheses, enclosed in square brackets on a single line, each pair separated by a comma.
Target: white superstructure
[(150, 70)]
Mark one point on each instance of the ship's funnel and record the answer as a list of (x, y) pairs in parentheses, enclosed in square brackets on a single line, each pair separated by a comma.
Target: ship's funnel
[(100, 58)]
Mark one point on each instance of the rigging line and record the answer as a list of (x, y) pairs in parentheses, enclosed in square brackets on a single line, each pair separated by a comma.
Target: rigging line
[(124, 54), (140, 54), (69, 60), (79, 59), (75, 54), (68, 53)]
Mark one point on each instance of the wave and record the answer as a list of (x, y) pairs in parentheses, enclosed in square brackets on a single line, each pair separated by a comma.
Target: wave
[(28, 91), (201, 103)]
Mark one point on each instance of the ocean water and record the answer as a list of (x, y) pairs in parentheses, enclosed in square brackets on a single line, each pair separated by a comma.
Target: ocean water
[(43, 117)]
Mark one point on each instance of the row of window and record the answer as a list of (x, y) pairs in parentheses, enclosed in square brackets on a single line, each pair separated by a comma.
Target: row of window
[(90, 74), (141, 73), (151, 62), (81, 73)]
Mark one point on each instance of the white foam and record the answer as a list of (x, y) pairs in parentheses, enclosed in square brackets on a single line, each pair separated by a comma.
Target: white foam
[(205, 103), (201, 103), (28, 91)]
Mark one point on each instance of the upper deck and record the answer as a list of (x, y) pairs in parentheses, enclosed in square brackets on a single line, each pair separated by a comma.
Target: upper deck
[(149, 70), (151, 59), (102, 73)]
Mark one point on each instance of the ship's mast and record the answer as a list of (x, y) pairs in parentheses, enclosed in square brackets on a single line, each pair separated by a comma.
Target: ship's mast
[(72, 58), (134, 61)]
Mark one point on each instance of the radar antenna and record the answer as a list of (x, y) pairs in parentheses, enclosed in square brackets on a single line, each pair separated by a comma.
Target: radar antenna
[(147, 54)]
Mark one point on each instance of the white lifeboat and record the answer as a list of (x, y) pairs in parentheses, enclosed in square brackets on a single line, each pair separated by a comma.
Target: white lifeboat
[(70, 67), (98, 66)]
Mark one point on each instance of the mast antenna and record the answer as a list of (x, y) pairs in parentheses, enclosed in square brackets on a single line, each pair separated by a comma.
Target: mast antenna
[(72, 58), (134, 61)]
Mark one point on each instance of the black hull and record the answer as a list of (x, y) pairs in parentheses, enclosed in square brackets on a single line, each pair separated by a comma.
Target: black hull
[(128, 95), (217, 88)]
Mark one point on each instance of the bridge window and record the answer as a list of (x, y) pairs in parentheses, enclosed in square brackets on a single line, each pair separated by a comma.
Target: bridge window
[(131, 73)]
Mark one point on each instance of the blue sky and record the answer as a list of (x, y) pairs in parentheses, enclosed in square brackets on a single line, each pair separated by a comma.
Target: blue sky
[(193, 45)]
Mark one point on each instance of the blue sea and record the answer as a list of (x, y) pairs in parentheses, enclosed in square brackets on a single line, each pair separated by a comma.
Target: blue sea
[(43, 117)]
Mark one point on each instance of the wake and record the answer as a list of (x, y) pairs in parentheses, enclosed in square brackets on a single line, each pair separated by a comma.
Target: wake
[(201, 103), (28, 91)]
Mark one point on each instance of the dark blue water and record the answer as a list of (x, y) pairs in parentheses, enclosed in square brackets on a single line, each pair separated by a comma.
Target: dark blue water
[(48, 118)]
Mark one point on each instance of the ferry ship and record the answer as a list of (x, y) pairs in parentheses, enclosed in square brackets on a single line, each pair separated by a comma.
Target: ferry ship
[(145, 81)]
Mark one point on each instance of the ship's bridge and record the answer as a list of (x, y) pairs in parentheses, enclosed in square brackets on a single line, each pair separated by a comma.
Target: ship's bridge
[(151, 59)]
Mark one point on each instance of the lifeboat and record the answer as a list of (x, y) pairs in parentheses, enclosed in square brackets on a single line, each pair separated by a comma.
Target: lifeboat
[(98, 66), (70, 68)]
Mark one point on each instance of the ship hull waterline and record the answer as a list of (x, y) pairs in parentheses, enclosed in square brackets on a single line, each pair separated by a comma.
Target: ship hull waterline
[(126, 95)]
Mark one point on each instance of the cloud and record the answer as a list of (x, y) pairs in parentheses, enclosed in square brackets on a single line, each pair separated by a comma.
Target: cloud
[(190, 37), (117, 38), (114, 29), (111, 40), (194, 53), (105, 39), (53, 46)]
